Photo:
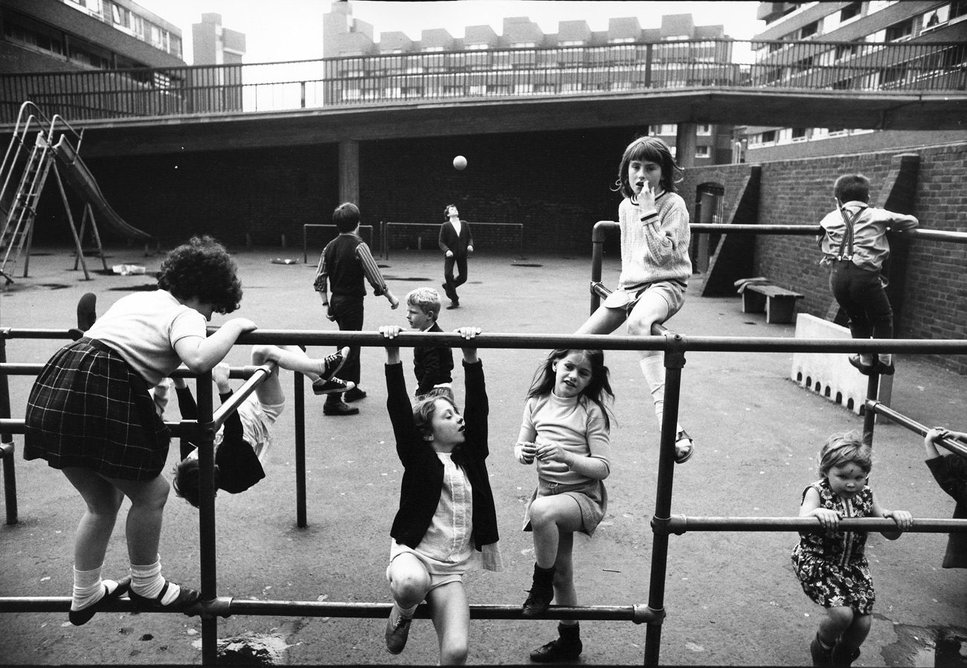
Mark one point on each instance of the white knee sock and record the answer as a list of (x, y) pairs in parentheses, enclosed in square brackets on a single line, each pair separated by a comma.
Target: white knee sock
[(88, 588), (653, 369), (146, 581)]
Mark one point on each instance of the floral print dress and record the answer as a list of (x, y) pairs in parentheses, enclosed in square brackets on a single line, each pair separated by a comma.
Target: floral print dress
[(832, 566)]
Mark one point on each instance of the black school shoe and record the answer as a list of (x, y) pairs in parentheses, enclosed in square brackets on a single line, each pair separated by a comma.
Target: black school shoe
[(566, 647), (338, 408), (865, 369), (355, 394)]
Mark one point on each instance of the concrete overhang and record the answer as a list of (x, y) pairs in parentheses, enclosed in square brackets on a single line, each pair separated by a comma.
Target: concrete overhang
[(170, 134)]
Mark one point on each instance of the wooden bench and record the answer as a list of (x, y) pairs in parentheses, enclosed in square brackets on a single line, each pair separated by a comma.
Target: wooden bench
[(759, 295)]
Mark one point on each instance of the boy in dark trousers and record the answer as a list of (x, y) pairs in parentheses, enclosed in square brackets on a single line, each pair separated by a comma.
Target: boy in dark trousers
[(456, 242), (344, 266), (854, 246)]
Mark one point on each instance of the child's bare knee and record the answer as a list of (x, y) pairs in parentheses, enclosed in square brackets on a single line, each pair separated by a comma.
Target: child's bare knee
[(453, 651)]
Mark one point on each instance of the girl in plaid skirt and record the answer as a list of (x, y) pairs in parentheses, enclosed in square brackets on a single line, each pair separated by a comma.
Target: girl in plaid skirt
[(89, 414)]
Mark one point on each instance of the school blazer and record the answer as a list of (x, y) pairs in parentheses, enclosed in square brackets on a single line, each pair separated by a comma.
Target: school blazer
[(450, 240), (422, 469)]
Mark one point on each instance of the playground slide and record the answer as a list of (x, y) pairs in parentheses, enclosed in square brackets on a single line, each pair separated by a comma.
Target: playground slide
[(82, 180)]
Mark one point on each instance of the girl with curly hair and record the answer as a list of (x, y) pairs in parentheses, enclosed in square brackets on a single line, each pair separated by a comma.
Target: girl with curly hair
[(90, 415)]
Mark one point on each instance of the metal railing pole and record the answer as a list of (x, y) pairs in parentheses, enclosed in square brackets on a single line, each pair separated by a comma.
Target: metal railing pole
[(7, 450), (674, 360), (205, 441), (300, 450)]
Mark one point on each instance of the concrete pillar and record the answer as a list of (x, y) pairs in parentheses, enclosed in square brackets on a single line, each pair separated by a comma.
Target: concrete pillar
[(686, 142), (349, 171)]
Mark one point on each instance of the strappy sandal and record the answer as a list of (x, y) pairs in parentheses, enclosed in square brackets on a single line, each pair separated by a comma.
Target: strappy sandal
[(84, 615), (683, 452), (186, 598)]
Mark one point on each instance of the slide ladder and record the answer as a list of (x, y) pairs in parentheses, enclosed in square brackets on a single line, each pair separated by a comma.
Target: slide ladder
[(21, 212), (23, 174)]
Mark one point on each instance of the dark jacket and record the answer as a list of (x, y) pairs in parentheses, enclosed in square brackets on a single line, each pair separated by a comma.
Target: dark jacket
[(450, 240), (422, 469), (950, 471), (432, 364)]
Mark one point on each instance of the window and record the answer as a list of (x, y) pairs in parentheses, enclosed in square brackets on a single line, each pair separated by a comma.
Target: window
[(899, 31), (846, 51), (809, 30), (852, 10), (704, 130), (799, 134), (769, 137), (958, 9), (702, 152)]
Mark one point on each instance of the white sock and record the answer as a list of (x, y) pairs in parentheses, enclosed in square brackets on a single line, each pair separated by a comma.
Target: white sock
[(146, 581), (653, 369), (867, 359), (88, 588), (886, 358), (407, 612)]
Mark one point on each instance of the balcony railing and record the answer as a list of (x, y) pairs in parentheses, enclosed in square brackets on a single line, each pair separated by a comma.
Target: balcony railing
[(497, 73)]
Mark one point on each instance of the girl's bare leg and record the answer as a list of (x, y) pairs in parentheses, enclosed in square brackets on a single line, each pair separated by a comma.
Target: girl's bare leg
[(603, 321), (551, 517), (451, 619), (94, 530)]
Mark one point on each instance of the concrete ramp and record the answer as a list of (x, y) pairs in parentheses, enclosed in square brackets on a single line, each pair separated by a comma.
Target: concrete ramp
[(81, 179)]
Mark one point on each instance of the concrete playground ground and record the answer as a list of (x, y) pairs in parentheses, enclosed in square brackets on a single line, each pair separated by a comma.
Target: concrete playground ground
[(731, 598)]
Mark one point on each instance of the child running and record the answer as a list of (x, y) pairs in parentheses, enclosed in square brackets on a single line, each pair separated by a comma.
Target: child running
[(446, 521), (566, 429), (832, 565), (950, 472), (241, 445), (655, 265), (89, 414), (431, 364)]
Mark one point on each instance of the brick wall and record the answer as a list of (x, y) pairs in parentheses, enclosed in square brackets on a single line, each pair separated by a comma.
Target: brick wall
[(799, 192)]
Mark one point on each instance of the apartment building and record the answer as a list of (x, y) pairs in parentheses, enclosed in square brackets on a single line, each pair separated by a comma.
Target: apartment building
[(513, 63), (78, 35), (850, 27)]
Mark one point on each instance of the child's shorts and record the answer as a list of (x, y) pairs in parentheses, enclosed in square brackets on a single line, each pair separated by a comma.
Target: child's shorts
[(439, 572), (673, 292), (257, 419), (591, 497)]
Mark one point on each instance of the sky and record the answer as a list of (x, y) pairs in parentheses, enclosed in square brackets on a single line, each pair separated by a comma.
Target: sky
[(292, 29)]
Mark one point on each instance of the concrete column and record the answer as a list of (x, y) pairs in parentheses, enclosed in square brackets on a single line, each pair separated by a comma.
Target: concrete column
[(349, 171), (686, 142)]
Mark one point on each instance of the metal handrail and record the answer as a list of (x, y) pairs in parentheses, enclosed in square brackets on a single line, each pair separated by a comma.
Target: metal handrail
[(501, 73)]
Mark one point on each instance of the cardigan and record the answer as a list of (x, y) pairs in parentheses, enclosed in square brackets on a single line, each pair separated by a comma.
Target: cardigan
[(950, 471), (450, 240), (423, 470)]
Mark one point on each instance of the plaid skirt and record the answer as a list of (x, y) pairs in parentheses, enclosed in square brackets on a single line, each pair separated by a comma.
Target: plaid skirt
[(88, 408)]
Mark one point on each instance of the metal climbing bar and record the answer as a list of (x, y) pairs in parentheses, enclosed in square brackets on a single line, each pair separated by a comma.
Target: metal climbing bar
[(673, 345), (679, 524), (877, 408)]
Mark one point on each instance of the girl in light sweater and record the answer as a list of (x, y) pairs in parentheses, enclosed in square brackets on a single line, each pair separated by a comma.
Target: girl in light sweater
[(654, 262), (565, 428)]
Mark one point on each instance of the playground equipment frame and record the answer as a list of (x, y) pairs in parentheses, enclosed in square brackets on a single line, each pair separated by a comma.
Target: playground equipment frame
[(673, 345)]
